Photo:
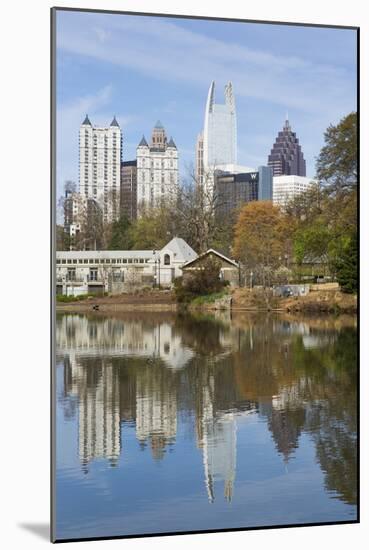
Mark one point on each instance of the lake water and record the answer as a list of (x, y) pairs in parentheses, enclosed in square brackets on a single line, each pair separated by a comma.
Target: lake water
[(177, 422)]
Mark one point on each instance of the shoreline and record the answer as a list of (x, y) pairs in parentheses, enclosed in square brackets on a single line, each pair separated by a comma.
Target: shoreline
[(241, 299), (315, 308)]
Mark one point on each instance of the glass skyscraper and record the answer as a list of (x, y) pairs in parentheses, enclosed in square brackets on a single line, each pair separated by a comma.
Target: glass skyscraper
[(220, 129)]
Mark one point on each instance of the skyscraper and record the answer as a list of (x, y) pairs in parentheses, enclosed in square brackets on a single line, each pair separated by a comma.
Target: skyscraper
[(128, 189), (100, 151), (75, 215), (286, 157), (220, 129), (219, 141), (199, 166), (233, 189), (286, 188), (157, 169)]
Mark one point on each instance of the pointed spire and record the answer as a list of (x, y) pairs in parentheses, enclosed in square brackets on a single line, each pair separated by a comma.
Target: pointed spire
[(143, 142), (114, 122), (287, 125), (159, 125), (86, 122), (171, 143), (211, 97)]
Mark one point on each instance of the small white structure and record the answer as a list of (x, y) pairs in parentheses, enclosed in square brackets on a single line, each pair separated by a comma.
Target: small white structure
[(115, 271), (228, 268), (288, 187)]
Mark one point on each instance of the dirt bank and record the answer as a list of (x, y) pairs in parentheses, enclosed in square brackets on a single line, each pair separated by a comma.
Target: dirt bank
[(243, 299), (329, 301)]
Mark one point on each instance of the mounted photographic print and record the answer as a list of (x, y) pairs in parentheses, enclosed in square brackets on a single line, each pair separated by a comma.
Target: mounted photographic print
[(204, 274)]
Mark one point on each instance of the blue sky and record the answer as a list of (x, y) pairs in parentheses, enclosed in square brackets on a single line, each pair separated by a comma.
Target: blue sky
[(142, 69)]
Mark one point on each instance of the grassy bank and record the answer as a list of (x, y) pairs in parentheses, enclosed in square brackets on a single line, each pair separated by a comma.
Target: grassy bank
[(209, 298), (155, 300)]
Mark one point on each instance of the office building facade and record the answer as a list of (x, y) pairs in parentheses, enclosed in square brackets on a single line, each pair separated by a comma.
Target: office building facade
[(232, 190), (199, 164), (286, 188), (128, 189)]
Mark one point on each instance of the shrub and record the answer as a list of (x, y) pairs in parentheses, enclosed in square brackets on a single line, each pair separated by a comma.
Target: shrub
[(183, 295), (205, 280)]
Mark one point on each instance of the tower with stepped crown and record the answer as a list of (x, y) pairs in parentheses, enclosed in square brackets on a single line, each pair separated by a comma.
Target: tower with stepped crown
[(286, 157)]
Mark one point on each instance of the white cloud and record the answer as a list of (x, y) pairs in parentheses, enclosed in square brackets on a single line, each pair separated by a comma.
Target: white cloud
[(167, 51)]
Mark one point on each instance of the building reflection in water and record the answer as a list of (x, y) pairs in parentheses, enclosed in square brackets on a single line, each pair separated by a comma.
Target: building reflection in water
[(145, 371), (156, 410), (97, 388), (216, 437)]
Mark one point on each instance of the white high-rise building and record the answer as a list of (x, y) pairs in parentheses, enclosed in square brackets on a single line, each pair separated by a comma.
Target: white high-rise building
[(199, 166), (75, 213), (220, 134), (157, 170), (286, 188), (100, 152)]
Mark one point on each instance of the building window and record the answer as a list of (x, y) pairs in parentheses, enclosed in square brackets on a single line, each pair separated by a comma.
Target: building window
[(118, 276), (71, 274), (166, 259), (93, 274)]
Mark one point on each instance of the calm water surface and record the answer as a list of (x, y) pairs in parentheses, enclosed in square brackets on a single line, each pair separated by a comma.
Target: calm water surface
[(174, 423)]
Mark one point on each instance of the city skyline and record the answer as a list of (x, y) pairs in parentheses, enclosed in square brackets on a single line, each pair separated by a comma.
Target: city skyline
[(105, 69)]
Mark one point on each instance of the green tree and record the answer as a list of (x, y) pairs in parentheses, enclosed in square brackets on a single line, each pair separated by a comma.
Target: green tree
[(337, 162), (344, 262), (312, 242), (325, 217), (121, 238), (153, 229)]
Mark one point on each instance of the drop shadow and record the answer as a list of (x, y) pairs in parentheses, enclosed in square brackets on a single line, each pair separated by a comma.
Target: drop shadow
[(42, 530)]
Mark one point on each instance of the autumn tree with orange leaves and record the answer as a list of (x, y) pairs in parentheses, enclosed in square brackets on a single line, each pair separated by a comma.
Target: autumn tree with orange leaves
[(261, 240)]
